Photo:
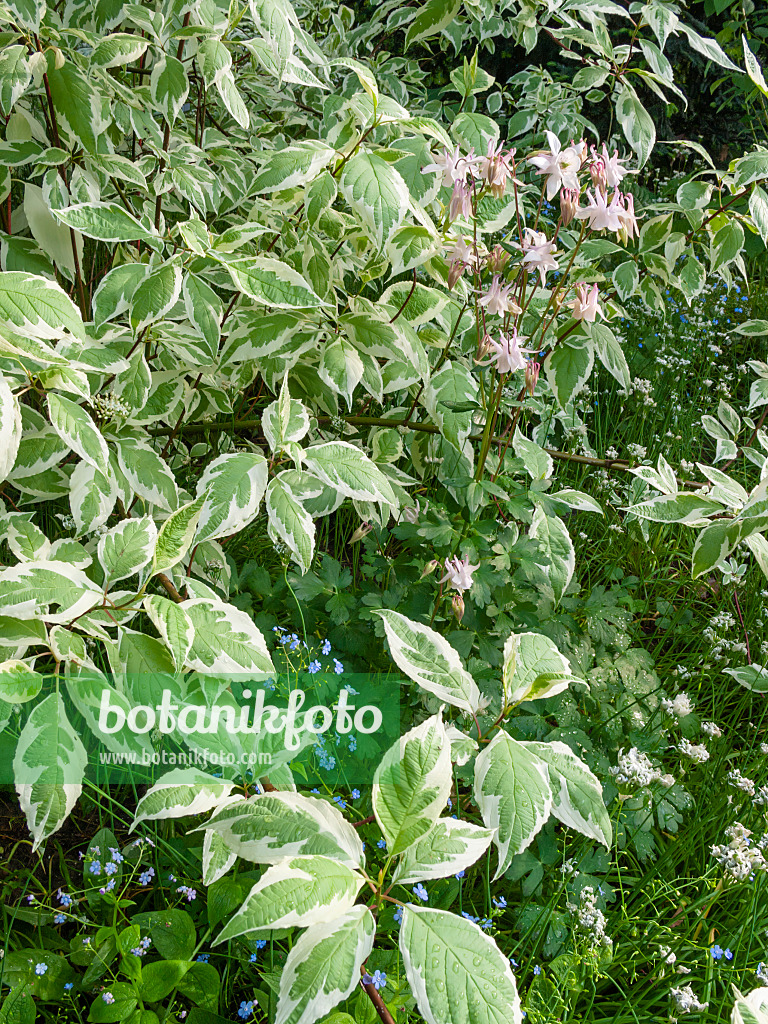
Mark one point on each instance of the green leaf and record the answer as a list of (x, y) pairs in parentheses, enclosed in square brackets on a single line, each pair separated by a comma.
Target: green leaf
[(75, 427), (567, 369), (78, 105), (609, 351), (513, 793), (533, 668), (270, 282), (636, 123), (456, 972), (18, 682), (37, 306), (577, 796), (233, 486), (108, 222), (429, 660), (290, 522), (323, 966), (449, 847), (412, 783), (377, 194), (125, 1002), (172, 932), (555, 541), (726, 245), (298, 892), (432, 18), (127, 547), (181, 793), (48, 768), (169, 86), (160, 978), (293, 166)]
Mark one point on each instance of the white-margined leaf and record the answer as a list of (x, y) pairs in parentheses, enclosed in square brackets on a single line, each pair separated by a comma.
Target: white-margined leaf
[(533, 668), (567, 370), (412, 783), (266, 828), (226, 640), (156, 295), (10, 428), (87, 689), (107, 222), (293, 166), (340, 367), (538, 463), (429, 660), (297, 892), (18, 682), (127, 547), (555, 541), (323, 966), (176, 535), (203, 307), (148, 475), (377, 193), (678, 508), (456, 972), (74, 426), (349, 470), (513, 793), (32, 589), (48, 768), (450, 846), (270, 282), (285, 420), (92, 497), (181, 793), (174, 626), (577, 796), (37, 306), (233, 486), (290, 523), (118, 49), (169, 86)]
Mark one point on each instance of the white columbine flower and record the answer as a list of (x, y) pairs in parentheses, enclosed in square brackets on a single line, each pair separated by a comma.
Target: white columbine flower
[(539, 253), (686, 1001), (561, 166), (584, 305), (497, 299), (458, 571), (507, 354), (602, 215), (453, 166)]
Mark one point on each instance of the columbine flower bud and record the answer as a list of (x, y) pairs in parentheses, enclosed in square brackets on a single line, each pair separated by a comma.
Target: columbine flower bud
[(360, 532), (599, 177), (497, 259), (429, 568), (461, 201), (532, 376), (484, 348), (458, 607), (569, 204), (455, 271)]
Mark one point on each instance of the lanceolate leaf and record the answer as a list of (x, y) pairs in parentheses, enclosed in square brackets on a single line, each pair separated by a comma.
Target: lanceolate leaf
[(448, 848), (295, 892), (37, 306), (183, 792), (233, 486), (48, 768), (377, 193), (577, 796), (323, 967), (429, 660), (290, 522), (10, 428)]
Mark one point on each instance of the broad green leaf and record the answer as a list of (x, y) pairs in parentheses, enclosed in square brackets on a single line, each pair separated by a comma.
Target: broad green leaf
[(513, 793), (233, 486), (127, 547), (577, 796), (108, 222), (169, 86), (429, 660), (48, 768), (270, 282), (290, 522), (296, 892), (449, 847), (555, 542), (174, 626), (533, 668), (37, 306), (226, 640), (567, 369), (74, 426), (412, 783), (456, 972), (18, 682), (346, 468), (293, 166), (377, 193), (323, 967)]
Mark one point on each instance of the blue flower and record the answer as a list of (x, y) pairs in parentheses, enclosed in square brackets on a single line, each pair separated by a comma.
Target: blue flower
[(382, 844), (326, 648), (254, 957), (110, 868), (95, 867), (246, 1009), (513, 962), (146, 876), (64, 899), (203, 958), (60, 919), (728, 954), (108, 997), (500, 902), (352, 744), (399, 915), (341, 802), (261, 943), (68, 985), (314, 666), (421, 892), (537, 969), (41, 968), (716, 951), (379, 980), (355, 794), (338, 668), (469, 917), (461, 874)]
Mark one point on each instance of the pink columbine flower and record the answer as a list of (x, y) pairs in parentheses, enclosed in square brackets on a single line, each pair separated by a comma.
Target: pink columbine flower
[(614, 172), (458, 572), (539, 253), (495, 168), (461, 201), (569, 204), (497, 299), (585, 305), (601, 215), (561, 166), (507, 354), (532, 371), (628, 219)]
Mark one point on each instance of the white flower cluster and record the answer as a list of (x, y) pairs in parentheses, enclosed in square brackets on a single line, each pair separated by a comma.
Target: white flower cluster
[(685, 1000), (681, 706), (589, 920), (109, 406), (635, 769), (739, 781), (740, 858), (696, 751), (711, 729)]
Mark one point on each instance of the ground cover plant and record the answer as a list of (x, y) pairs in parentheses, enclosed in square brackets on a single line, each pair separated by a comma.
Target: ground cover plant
[(343, 377)]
